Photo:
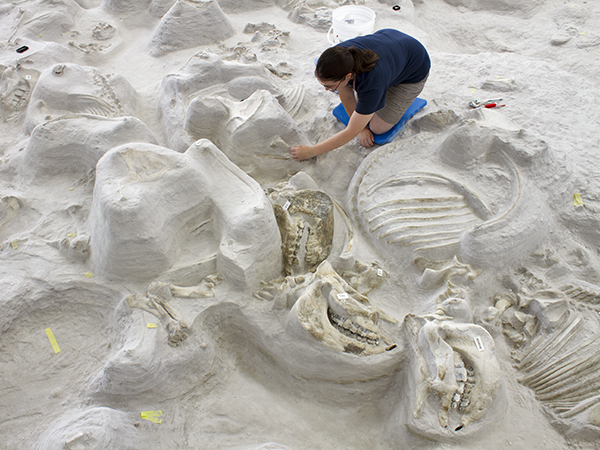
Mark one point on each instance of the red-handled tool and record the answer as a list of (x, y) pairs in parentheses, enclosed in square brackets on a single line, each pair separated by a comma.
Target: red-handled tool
[(493, 105), (478, 103)]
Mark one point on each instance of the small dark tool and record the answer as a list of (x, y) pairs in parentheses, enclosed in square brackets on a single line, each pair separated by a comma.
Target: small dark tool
[(22, 49), (396, 7)]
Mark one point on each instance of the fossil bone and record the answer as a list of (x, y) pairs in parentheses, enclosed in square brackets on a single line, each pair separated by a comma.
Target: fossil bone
[(438, 207), (335, 314), (305, 220), (557, 357), (206, 72), (364, 278), (436, 273), (14, 93), (156, 301), (454, 372)]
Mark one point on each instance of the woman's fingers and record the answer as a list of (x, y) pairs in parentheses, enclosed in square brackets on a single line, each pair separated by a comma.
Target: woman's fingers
[(300, 152), (365, 137)]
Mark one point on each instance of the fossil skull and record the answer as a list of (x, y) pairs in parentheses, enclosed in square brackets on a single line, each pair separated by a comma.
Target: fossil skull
[(455, 375), (332, 312)]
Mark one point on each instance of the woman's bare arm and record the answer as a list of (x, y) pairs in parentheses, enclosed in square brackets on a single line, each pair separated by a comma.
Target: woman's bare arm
[(356, 124)]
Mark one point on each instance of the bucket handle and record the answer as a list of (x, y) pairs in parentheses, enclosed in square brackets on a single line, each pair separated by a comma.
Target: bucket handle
[(331, 41)]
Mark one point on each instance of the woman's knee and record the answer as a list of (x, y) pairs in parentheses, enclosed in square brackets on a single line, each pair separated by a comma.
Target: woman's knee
[(379, 126)]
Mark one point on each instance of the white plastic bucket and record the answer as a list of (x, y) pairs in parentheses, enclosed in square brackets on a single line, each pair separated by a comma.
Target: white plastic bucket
[(349, 22)]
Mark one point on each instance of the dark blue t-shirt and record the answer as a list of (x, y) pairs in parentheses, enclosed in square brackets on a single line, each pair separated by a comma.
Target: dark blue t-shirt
[(402, 59)]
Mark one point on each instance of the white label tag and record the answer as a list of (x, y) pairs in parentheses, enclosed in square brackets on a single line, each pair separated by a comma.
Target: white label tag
[(343, 295), (28, 77), (379, 272), (479, 344), (287, 205)]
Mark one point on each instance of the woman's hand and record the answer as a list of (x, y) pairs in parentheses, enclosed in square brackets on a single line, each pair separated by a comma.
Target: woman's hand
[(365, 137), (301, 152)]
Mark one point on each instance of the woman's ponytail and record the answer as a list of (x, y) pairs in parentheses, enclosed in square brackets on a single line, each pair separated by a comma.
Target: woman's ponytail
[(364, 60), (335, 62)]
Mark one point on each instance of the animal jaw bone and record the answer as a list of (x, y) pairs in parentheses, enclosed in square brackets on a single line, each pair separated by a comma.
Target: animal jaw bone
[(337, 315), (304, 216), (454, 363)]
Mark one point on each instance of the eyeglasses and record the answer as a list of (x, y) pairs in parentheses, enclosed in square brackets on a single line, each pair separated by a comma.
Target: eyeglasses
[(332, 88)]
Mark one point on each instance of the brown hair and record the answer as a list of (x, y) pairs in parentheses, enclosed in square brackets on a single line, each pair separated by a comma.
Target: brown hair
[(335, 62)]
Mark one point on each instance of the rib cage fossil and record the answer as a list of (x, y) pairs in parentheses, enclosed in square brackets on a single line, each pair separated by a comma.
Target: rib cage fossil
[(559, 358), (430, 217)]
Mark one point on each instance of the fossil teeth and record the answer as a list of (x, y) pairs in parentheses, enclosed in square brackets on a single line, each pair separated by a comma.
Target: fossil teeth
[(353, 330)]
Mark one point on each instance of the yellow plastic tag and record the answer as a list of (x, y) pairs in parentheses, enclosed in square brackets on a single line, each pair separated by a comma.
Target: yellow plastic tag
[(577, 200), (152, 416), (52, 340), (72, 189), (71, 234), (473, 91), (14, 244), (152, 325), (89, 274)]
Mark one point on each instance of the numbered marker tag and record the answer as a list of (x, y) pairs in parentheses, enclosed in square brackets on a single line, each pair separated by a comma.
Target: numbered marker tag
[(379, 272), (342, 296), (287, 205), (479, 344), (152, 325)]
